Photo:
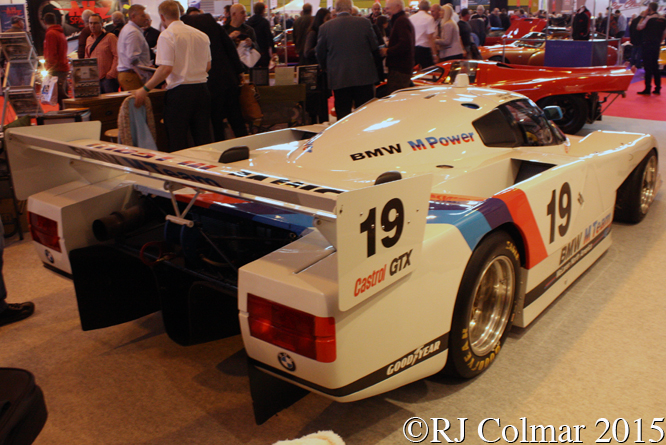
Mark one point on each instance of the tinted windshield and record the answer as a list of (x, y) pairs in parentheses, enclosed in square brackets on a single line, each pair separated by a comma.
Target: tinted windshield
[(531, 40)]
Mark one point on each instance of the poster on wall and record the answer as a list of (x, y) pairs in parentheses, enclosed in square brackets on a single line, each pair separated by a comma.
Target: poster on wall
[(7, 12)]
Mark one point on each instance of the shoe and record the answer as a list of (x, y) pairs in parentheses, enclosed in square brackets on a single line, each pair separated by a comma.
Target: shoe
[(16, 312), (645, 92), (657, 91)]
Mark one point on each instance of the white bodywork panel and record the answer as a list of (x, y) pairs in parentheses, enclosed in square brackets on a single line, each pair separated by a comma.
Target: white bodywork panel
[(394, 332)]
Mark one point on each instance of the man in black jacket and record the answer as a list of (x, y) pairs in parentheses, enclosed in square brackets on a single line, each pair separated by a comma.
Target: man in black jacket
[(262, 29), (653, 27), (223, 77), (400, 50)]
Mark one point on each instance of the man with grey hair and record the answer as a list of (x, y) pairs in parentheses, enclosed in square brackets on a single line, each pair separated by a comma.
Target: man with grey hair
[(479, 24), (133, 50), (117, 23), (424, 34), (436, 12), (345, 49), (376, 11), (400, 50), (85, 32)]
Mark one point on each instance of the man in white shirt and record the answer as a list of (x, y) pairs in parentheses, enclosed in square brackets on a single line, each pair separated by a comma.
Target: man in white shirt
[(183, 57), (133, 49), (424, 32)]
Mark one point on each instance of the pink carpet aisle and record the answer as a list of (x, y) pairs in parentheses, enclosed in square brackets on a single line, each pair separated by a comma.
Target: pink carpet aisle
[(636, 106)]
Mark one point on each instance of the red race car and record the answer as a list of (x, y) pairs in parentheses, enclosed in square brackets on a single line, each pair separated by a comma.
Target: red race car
[(517, 29), (579, 92)]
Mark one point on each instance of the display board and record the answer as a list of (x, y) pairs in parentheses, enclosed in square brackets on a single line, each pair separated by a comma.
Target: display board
[(85, 78)]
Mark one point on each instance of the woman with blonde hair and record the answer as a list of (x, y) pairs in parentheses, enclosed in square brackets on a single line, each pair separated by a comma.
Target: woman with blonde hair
[(448, 40)]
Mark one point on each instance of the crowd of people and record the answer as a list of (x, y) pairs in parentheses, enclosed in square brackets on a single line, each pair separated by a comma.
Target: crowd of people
[(354, 51), (646, 31)]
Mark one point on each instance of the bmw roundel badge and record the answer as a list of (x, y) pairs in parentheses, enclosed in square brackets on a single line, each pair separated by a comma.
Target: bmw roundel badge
[(49, 256), (286, 361)]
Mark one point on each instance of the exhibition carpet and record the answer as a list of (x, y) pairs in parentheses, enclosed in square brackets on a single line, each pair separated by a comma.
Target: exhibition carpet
[(636, 106)]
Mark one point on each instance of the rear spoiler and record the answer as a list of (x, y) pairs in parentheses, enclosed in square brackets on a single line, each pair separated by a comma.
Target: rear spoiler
[(370, 228)]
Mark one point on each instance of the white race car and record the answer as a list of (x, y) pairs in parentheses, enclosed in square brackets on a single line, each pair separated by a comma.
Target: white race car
[(403, 240)]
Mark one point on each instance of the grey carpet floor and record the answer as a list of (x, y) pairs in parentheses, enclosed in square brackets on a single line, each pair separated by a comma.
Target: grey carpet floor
[(597, 352)]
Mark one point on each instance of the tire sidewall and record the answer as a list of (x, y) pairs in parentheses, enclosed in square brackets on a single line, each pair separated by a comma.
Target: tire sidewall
[(629, 193), (578, 104), (462, 361)]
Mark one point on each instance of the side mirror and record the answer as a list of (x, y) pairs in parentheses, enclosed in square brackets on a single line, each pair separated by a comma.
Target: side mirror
[(553, 113)]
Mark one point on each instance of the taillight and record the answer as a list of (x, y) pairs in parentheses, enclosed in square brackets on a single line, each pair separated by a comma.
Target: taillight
[(291, 329), (44, 231)]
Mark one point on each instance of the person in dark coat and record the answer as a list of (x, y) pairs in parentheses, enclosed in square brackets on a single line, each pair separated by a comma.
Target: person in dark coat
[(580, 29), (262, 29), (117, 23), (504, 18), (300, 31), (400, 50), (636, 38), (345, 49), (151, 34), (85, 32), (223, 77), (653, 27)]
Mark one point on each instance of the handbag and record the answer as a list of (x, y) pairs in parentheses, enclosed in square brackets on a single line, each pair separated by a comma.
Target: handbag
[(248, 55), (249, 101), (49, 94)]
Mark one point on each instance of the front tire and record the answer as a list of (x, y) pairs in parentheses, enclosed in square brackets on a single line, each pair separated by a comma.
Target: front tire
[(636, 194), (574, 111), (485, 306)]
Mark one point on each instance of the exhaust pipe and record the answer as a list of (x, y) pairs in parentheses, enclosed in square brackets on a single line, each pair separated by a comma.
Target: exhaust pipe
[(121, 223)]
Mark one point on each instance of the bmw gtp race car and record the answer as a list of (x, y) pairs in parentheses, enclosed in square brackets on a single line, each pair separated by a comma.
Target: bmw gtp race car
[(401, 241)]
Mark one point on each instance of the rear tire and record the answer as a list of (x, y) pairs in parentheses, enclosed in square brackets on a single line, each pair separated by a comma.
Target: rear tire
[(636, 194), (574, 111), (485, 306)]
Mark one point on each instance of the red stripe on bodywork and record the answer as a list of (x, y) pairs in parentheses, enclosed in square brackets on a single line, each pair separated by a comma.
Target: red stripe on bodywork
[(205, 200), (522, 215)]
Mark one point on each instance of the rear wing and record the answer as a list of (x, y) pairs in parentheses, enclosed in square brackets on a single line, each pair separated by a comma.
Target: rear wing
[(377, 231)]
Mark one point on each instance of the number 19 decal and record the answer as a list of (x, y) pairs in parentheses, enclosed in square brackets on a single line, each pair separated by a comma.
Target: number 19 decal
[(389, 222), (564, 207)]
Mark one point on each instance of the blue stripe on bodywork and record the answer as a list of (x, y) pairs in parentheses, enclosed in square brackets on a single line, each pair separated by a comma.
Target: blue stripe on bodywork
[(474, 220)]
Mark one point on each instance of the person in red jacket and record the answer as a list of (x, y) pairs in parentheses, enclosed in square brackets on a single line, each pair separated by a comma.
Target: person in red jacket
[(55, 54)]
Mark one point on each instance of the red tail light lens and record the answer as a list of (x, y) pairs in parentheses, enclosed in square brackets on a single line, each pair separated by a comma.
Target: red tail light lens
[(291, 329), (44, 231)]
